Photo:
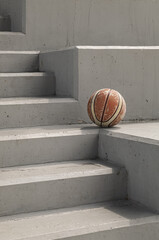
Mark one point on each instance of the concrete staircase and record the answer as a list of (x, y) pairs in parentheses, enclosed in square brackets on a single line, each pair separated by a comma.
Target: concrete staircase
[(24, 104), (52, 184), (53, 181), (51, 166)]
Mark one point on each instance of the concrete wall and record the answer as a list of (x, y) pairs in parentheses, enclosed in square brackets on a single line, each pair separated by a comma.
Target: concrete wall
[(54, 24), (132, 71), (16, 10)]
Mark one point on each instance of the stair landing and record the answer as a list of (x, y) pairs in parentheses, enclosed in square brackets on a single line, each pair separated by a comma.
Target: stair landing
[(146, 131)]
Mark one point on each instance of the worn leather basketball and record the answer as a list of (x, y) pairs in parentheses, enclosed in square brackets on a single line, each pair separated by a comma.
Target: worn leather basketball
[(106, 107)]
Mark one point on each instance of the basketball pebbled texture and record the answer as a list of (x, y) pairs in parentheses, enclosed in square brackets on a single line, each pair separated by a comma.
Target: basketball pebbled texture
[(106, 107)]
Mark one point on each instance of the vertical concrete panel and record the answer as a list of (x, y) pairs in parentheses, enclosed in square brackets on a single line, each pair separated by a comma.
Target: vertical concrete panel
[(64, 64), (140, 158), (54, 24), (131, 71), (63, 23)]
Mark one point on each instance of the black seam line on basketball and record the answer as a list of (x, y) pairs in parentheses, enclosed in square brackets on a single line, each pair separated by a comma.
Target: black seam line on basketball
[(94, 107), (118, 114), (114, 112), (91, 111), (106, 101)]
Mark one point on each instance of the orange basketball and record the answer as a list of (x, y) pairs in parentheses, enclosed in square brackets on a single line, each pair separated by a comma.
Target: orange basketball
[(106, 107)]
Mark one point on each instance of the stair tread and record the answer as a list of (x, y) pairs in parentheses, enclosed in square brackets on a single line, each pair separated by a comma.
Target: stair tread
[(35, 100), (55, 171), (47, 131), (74, 221)]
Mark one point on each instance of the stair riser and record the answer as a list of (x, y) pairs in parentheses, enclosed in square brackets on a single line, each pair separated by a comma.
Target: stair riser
[(19, 62), (62, 193), (13, 41), (42, 150), (39, 114), (5, 24), (31, 86)]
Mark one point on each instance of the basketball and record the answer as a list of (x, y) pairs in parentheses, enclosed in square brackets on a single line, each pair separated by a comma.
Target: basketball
[(106, 107)]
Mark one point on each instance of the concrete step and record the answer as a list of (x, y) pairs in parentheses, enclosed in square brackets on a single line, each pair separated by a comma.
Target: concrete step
[(59, 185), (24, 146), (136, 147), (5, 23), (19, 61), (36, 111), (13, 41), (118, 220), (27, 84)]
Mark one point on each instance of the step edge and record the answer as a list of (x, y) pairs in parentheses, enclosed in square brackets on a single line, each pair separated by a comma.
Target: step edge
[(153, 218), (20, 52), (95, 229), (51, 135), (106, 47), (26, 74), (73, 174), (35, 101), (66, 210)]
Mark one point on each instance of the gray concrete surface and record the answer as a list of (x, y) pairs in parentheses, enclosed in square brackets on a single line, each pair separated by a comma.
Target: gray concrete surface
[(5, 23), (27, 84), (59, 185), (133, 71), (65, 66), (54, 24), (16, 9), (12, 41), (135, 147), (24, 146), (19, 61), (38, 111), (117, 221)]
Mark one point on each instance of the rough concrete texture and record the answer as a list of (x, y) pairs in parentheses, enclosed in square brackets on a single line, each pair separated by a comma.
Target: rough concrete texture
[(38, 111), (132, 71), (114, 220), (12, 41), (136, 147), (27, 84), (19, 61), (59, 185), (47, 144), (55, 24)]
